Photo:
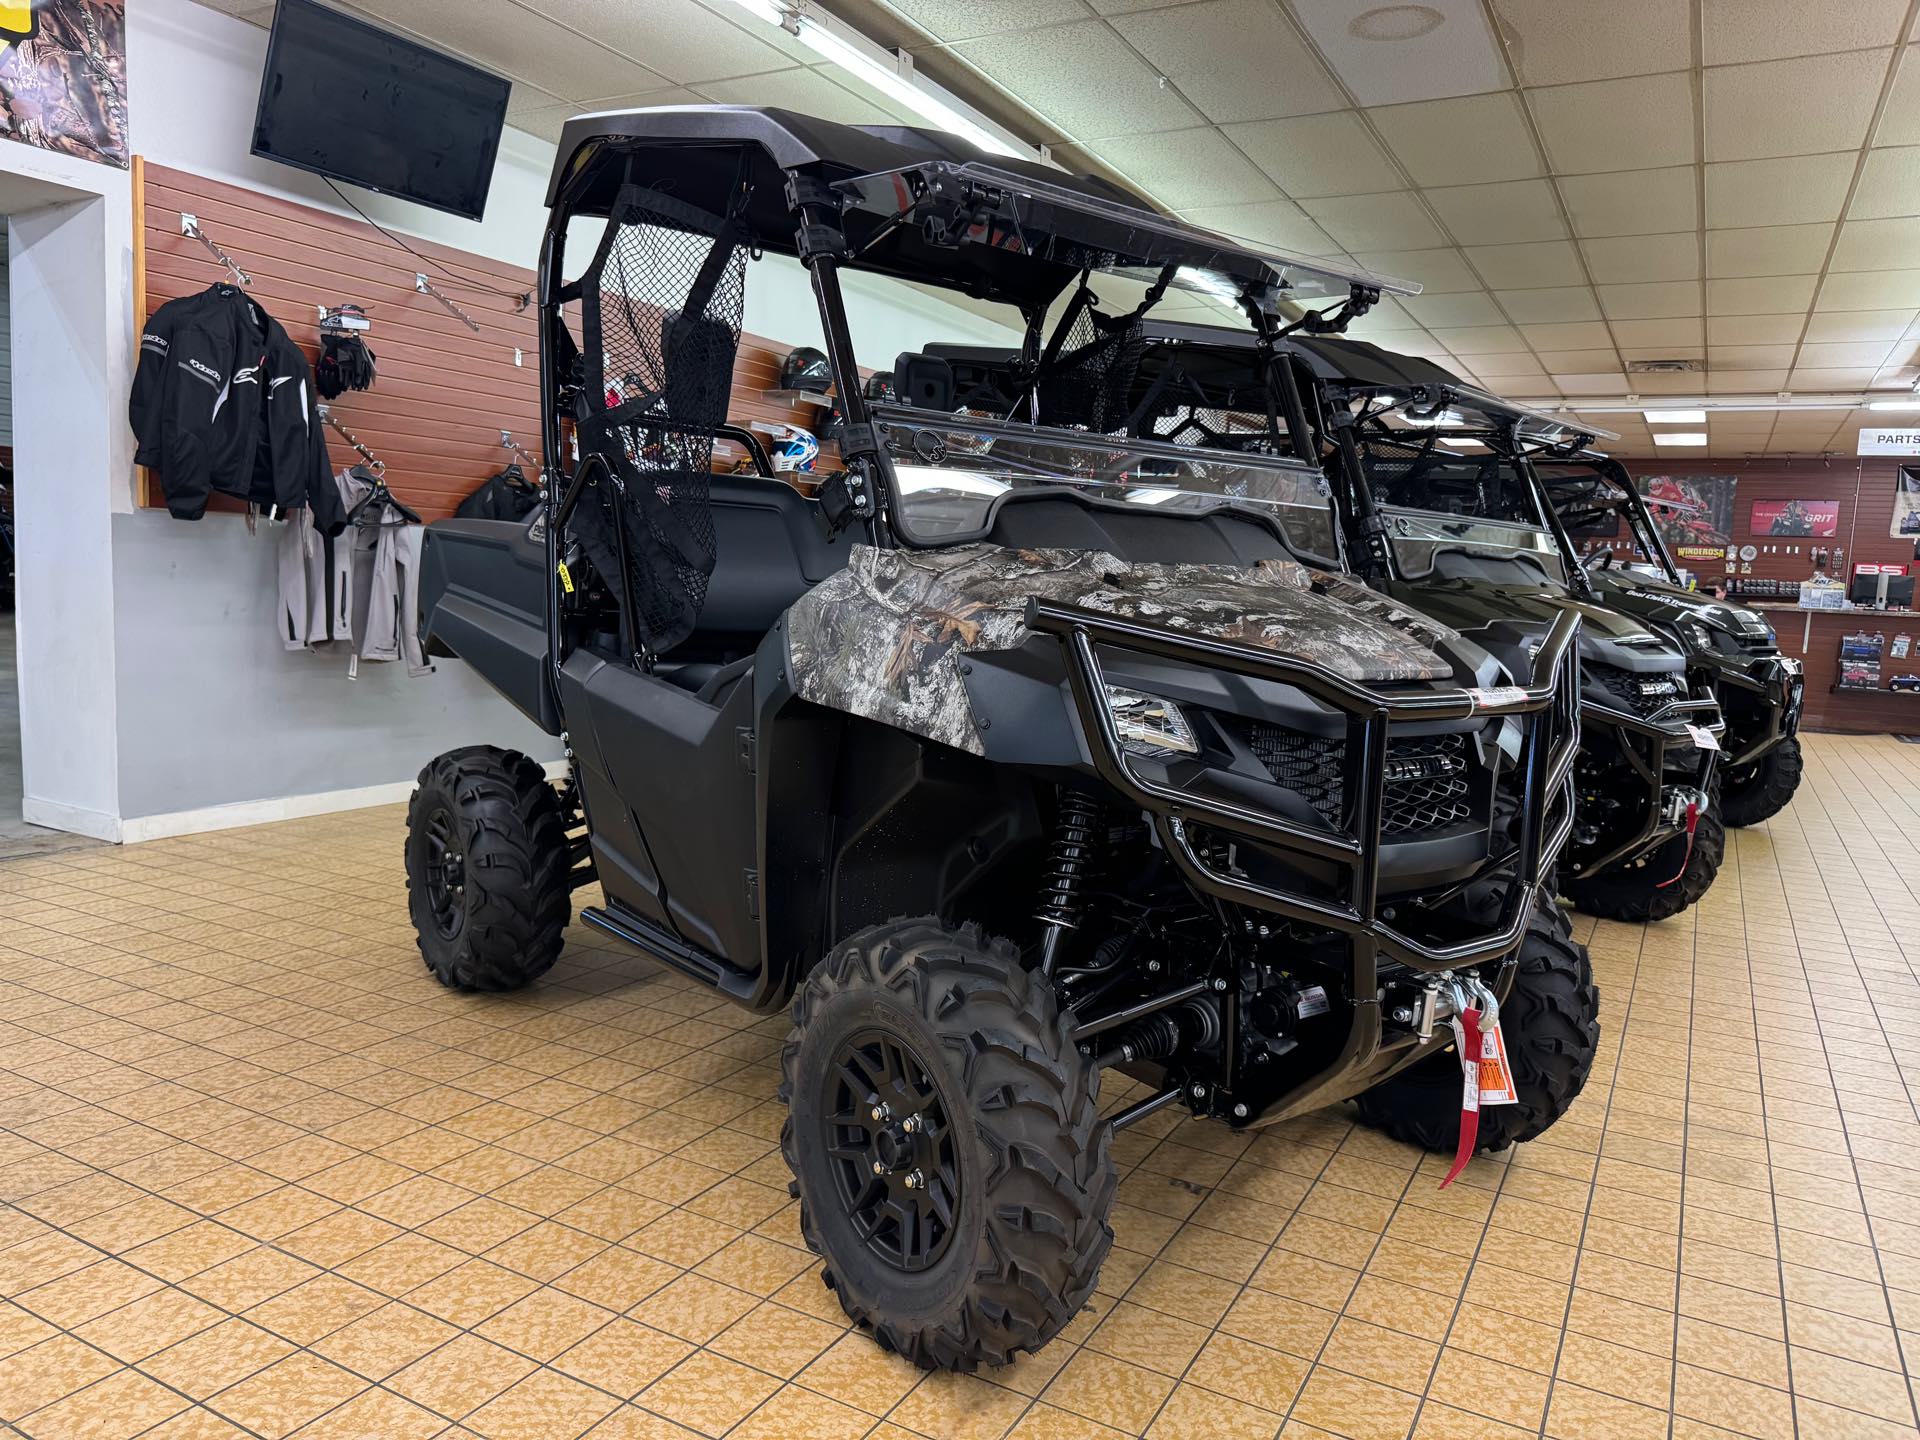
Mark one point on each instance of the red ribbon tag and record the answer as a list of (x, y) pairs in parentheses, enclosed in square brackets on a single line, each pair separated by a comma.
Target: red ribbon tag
[(1466, 1037), (1693, 824)]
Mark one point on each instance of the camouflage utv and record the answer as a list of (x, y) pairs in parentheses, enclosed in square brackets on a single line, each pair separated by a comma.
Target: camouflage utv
[(1018, 751)]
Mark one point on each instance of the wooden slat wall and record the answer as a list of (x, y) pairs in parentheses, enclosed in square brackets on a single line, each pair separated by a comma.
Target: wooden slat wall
[(443, 394)]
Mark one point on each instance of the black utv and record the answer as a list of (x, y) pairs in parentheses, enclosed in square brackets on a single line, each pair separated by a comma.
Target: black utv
[(1019, 750), (1730, 649), (1441, 509)]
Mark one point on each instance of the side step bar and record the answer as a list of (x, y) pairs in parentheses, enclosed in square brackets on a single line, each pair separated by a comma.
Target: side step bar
[(669, 949)]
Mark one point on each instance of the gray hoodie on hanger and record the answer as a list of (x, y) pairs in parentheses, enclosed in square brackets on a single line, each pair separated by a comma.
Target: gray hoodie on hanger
[(359, 592)]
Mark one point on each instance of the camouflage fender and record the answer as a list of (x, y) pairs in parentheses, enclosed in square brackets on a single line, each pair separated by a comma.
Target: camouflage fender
[(883, 637)]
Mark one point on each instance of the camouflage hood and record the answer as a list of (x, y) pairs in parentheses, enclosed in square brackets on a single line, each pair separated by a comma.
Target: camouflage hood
[(882, 638)]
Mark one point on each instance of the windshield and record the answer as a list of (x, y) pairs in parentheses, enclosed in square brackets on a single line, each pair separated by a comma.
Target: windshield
[(952, 474)]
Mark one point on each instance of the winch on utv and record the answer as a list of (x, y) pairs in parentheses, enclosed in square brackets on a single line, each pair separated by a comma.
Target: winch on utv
[(1022, 750)]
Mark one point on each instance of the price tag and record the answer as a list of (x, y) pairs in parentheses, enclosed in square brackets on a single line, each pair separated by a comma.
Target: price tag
[(1496, 1076), (1498, 697), (1702, 739), (566, 578)]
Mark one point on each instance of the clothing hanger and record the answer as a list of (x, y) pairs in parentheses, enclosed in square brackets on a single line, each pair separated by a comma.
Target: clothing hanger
[(371, 469)]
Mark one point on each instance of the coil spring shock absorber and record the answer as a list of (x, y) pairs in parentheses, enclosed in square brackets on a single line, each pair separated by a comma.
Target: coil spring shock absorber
[(1071, 854)]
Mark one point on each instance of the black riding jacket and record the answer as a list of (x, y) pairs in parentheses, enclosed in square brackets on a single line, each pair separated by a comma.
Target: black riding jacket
[(224, 400)]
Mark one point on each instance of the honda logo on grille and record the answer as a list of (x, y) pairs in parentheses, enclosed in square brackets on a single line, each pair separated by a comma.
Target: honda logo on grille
[(1424, 767)]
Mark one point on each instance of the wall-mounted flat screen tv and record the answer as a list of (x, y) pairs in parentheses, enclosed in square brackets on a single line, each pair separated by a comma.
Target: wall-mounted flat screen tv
[(353, 102)]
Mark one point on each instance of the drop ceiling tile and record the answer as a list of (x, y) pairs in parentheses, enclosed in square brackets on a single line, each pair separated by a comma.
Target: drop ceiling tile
[(1900, 120), (1481, 340), (1659, 301), (1889, 184), (1767, 250), (1817, 377), (1848, 353), (1680, 336), (1473, 140), (687, 43), (1554, 42), (1457, 56), (1769, 295), (1608, 382), (1279, 223), (1630, 259), (1801, 190), (1235, 59), (1528, 267), (1755, 329), (1507, 213), (1467, 308), (1185, 167), (1876, 244), (1636, 124), (1438, 271), (1744, 382), (1740, 30), (545, 121), (1310, 156), (1633, 202), (1887, 325), (1792, 107), (1750, 357), (1573, 335), (525, 46), (1508, 368), (1082, 77), (1375, 222), (811, 92), (1561, 362), (966, 19), (1560, 304), (1664, 385), (1871, 290)]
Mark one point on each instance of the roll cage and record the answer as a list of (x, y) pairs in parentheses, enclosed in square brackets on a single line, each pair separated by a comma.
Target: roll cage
[(632, 407)]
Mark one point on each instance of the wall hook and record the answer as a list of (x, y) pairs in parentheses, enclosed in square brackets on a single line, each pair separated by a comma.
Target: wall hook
[(190, 227), (425, 287)]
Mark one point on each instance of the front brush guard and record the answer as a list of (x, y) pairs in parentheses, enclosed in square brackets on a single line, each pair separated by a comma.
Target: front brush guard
[(1546, 760)]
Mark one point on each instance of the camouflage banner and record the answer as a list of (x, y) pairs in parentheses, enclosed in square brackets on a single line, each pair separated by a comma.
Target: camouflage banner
[(63, 77)]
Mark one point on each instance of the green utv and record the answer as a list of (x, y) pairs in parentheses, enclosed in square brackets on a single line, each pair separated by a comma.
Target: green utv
[(1441, 509), (1730, 649), (1024, 749)]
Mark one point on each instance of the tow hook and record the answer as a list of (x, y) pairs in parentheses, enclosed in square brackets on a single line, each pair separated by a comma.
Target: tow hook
[(1695, 802)]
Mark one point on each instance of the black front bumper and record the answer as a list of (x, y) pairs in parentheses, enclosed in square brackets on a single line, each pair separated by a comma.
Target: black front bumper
[(1762, 700), (1653, 748), (1548, 715)]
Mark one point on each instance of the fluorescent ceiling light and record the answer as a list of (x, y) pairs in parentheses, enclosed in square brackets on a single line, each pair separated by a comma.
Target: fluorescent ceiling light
[(892, 76), (769, 10), (1460, 442), (1679, 437), (1675, 417), (1895, 405), (1447, 419)]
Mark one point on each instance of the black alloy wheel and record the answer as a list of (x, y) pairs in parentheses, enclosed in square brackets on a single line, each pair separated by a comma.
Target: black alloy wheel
[(445, 874), (892, 1147)]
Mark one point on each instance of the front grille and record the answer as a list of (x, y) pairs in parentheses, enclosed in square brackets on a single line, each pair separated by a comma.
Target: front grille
[(1426, 789), (1632, 692), (1758, 644)]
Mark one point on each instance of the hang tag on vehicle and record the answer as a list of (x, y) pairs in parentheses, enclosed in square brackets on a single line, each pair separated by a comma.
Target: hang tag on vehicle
[(1313, 1001), (566, 578), (1466, 1044), (1499, 697), (1495, 1081), (1702, 739)]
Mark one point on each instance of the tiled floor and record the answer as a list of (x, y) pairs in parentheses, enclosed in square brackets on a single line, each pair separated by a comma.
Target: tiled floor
[(264, 1178)]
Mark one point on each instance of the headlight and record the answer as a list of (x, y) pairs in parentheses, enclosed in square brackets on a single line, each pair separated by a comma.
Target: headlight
[(1148, 725), (1698, 635)]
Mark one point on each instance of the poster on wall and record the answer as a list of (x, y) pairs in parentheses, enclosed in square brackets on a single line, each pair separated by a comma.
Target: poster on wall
[(1906, 504), (1796, 519), (1694, 513), (63, 77)]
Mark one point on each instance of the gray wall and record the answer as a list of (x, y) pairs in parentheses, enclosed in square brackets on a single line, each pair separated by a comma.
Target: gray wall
[(226, 714)]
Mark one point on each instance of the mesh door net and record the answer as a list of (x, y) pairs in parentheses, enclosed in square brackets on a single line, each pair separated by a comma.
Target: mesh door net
[(661, 307), (1087, 386)]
